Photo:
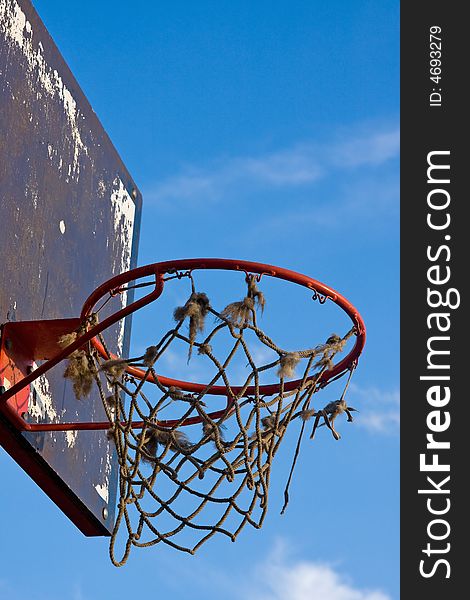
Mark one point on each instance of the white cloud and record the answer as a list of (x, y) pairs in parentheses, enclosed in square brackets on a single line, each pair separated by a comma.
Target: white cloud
[(373, 149), (290, 167), (77, 592), (279, 578), (301, 164), (352, 204), (380, 410), (276, 576)]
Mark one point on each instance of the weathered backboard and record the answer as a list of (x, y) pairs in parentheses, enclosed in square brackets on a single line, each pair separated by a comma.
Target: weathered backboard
[(69, 220)]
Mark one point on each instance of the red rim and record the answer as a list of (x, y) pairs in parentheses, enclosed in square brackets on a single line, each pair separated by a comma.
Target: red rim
[(160, 269)]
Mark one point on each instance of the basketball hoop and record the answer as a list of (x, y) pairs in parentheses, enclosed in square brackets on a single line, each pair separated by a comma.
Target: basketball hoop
[(185, 446)]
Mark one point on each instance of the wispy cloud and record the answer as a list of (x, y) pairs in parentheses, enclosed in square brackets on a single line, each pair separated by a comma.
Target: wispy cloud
[(77, 592), (380, 409), (278, 575), (301, 164), (279, 578), (370, 149), (293, 166), (366, 200)]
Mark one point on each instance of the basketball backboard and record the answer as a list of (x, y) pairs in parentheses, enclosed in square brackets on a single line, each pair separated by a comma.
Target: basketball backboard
[(69, 219)]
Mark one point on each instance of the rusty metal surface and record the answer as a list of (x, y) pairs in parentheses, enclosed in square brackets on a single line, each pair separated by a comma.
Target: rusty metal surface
[(69, 219)]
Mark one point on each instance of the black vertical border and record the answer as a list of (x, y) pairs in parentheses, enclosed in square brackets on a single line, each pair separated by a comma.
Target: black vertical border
[(424, 129)]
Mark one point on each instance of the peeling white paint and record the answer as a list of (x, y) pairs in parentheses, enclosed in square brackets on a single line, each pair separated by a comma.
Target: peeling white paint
[(101, 188), (103, 491), (41, 405), (71, 438), (34, 197), (123, 214), (18, 31), (120, 341), (15, 21)]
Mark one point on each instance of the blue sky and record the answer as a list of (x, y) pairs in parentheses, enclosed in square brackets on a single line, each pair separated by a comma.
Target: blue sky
[(266, 131)]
